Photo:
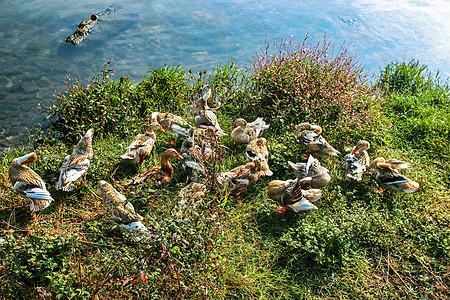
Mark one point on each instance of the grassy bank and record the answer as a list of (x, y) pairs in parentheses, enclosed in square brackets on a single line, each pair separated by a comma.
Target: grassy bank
[(362, 242)]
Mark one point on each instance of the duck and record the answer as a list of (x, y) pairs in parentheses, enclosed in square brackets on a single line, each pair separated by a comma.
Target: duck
[(301, 199), (142, 145), (251, 171), (123, 212), (205, 117), (192, 160), (207, 140), (171, 123), (257, 148), (194, 190), (243, 132), (76, 164), (388, 176), (82, 31), (285, 190), (28, 184), (302, 205), (357, 161), (311, 174), (315, 144), (239, 177), (160, 175)]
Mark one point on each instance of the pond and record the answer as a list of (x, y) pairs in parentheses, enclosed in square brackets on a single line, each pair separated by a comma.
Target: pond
[(199, 35)]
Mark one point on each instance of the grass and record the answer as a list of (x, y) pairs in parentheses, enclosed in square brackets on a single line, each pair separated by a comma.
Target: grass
[(360, 243)]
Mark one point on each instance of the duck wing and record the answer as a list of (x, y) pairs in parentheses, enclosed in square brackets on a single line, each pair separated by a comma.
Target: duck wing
[(38, 197)]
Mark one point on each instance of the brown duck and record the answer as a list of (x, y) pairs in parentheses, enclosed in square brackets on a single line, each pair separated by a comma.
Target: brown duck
[(311, 174), (171, 123), (257, 148), (388, 176), (314, 142), (160, 176), (29, 184), (76, 164), (142, 145)]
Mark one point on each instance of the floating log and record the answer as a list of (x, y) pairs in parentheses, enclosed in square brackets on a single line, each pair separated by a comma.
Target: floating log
[(83, 30)]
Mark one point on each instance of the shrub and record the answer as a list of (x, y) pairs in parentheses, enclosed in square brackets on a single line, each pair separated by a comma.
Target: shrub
[(303, 82), (116, 106), (163, 89), (105, 104)]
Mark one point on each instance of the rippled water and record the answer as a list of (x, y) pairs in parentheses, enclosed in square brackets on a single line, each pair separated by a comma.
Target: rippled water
[(198, 35)]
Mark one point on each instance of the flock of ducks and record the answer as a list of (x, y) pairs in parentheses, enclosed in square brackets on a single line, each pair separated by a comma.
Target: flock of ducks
[(198, 152)]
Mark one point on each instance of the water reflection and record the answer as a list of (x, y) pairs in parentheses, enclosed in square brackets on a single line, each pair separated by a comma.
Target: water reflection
[(198, 35)]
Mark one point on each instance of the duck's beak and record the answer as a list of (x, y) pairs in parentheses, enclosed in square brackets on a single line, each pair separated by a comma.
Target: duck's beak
[(355, 149), (161, 129), (179, 156), (233, 127)]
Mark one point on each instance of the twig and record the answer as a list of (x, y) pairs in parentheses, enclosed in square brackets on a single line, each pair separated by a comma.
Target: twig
[(106, 280), (398, 275), (97, 196), (429, 271), (92, 243), (15, 228)]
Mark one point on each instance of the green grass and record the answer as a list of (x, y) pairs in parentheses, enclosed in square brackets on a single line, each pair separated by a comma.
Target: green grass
[(361, 243)]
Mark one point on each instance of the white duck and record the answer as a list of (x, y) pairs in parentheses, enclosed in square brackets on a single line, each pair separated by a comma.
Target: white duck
[(243, 132), (76, 164), (29, 184)]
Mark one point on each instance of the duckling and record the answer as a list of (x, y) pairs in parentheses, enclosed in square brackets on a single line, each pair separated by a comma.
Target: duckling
[(76, 164), (257, 148), (284, 191), (311, 174), (29, 184), (357, 161), (243, 132), (171, 123), (160, 176), (123, 211), (315, 144), (142, 145), (388, 176), (206, 117)]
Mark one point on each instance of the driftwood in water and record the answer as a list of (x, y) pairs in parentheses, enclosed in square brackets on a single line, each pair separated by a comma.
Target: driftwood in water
[(83, 29)]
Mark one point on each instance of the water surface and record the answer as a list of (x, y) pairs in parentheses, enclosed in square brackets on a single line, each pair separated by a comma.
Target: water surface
[(198, 35)]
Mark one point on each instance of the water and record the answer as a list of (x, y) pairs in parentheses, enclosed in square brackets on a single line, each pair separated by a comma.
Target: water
[(198, 35)]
